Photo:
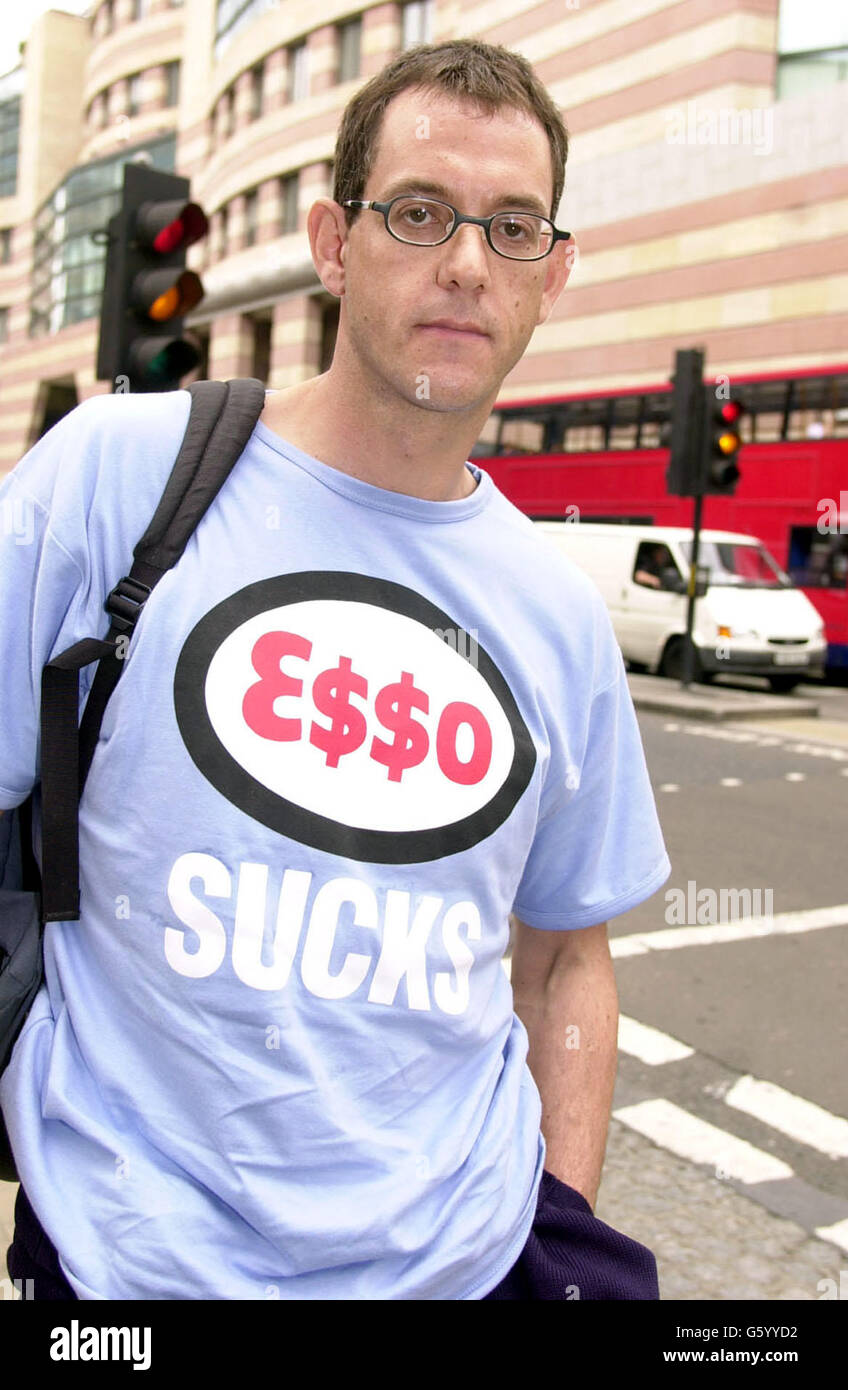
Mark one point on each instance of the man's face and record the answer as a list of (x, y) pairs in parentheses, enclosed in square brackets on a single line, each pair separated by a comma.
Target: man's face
[(394, 293)]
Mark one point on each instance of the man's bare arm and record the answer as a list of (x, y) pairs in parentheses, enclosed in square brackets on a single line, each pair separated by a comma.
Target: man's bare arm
[(565, 994)]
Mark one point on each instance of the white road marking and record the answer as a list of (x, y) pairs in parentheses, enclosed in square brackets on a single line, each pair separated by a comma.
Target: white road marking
[(796, 776), (671, 938), (673, 786), (789, 743), (731, 782), (649, 1044), (837, 1234), (792, 1115), (689, 1137)]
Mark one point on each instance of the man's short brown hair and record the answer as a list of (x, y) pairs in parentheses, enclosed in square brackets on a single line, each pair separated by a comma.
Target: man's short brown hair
[(488, 75)]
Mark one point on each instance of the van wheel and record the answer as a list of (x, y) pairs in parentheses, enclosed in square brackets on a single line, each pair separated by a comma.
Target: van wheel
[(671, 665), (781, 685)]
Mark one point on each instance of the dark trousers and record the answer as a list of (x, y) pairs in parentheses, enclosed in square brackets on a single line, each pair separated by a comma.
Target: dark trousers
[(32, 1256), (569, 1254)]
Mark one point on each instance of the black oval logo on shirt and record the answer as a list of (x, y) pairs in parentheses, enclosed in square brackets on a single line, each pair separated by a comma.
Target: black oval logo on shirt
[(351, 714)]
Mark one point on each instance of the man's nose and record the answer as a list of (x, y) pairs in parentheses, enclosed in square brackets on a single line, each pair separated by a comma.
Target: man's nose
[(465, 256)]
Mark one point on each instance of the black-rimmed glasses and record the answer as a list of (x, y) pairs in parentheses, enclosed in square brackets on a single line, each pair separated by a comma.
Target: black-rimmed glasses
[(521, 236)]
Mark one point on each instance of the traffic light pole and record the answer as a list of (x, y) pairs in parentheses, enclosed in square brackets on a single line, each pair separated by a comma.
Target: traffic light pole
[(689, 648)]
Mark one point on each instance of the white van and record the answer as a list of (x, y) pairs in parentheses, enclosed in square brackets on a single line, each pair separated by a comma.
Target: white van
[(750, 620)]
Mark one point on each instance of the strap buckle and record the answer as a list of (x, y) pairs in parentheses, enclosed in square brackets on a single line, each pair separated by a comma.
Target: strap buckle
[(126, 601)]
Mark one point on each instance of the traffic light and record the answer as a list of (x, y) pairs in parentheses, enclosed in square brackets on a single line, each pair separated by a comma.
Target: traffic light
[(684, 473), (147, 289), (722, 442)]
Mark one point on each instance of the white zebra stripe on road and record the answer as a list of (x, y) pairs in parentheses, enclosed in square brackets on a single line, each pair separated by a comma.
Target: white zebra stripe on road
[(649, 1044), (800, 1119), (689, 1137), (671, 938)]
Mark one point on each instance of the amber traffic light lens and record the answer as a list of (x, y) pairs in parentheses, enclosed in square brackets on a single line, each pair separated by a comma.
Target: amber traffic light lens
[(166, 306)]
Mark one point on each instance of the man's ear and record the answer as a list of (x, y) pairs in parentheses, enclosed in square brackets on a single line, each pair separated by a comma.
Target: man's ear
[(328, 233), (557, 270)]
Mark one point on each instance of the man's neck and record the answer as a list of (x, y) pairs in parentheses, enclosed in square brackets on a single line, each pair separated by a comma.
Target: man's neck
[(390, 444)]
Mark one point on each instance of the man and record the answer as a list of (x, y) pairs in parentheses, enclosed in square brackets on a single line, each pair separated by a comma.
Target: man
[(652, 565), (366, 716)]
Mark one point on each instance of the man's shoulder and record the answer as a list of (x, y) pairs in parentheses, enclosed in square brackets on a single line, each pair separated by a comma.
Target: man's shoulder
[(131, 419), (107, 445), (536, 557)]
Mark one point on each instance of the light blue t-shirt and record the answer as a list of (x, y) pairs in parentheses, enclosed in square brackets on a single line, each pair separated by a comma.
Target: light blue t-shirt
[(277, 1056)]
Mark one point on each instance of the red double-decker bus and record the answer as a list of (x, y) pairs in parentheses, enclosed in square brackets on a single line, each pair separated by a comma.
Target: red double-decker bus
[(603, 457)]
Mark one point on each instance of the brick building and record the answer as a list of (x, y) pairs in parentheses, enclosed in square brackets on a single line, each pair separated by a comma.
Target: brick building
[(707, 185)]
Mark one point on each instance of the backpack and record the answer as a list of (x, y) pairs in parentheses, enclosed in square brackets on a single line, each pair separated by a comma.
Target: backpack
[(221, 421)]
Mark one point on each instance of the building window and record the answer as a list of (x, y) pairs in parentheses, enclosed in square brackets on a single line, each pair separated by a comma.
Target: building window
[(223, 231), (812, 47), (10, 125), (257, 91), (107, 17), (417, 23), (231, 16), (4, 325), (329, 332), (66, 282), (140, 9), (5, 245), (134, 94), (229, 112), (297, 80), (289, 189), (251, 217), (348, 37), (261, 355), (172, 84)]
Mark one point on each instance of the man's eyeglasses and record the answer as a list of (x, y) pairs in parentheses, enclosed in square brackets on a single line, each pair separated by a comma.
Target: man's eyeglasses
[(521, 236)]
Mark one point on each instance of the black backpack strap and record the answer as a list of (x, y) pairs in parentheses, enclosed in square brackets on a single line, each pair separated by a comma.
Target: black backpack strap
[(221, 420)]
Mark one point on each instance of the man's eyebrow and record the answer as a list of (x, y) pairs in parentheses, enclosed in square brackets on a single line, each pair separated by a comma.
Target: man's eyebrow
[(519, 201)]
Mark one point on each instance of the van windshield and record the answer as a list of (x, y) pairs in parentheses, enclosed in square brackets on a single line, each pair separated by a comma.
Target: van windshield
[(744, 565)]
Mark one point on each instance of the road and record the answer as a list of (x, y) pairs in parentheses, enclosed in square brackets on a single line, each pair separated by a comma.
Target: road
[(729, 1130)]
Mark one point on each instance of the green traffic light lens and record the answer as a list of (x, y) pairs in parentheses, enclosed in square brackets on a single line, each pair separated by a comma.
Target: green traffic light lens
[(159, 365)]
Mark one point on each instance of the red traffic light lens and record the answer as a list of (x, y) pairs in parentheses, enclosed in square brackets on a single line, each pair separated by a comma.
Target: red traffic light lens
[(730, 412), (184, 230)]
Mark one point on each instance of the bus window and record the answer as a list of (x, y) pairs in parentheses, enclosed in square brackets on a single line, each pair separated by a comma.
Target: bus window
[(818, 561), (487, 443), (520, 436)]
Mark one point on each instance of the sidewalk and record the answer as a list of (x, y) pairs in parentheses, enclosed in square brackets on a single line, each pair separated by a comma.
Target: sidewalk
[(658, 695), (711, 1242)]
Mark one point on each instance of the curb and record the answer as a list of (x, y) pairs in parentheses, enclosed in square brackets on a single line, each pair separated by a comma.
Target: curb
[(663, 696)]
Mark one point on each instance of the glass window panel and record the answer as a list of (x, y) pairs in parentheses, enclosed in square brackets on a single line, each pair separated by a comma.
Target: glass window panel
[(349, 41)]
